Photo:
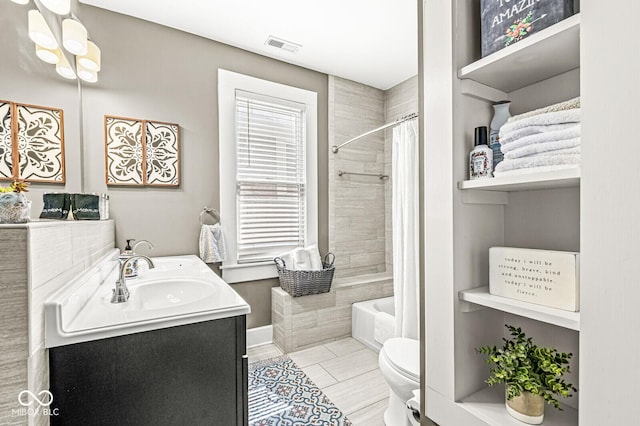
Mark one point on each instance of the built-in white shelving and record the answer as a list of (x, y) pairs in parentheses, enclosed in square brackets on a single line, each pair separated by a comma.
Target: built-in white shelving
[(542, 55), (565, 178), (481, 296), (488, 406)]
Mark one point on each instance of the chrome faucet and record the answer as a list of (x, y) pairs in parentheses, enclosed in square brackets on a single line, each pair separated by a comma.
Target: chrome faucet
[(121, 292)]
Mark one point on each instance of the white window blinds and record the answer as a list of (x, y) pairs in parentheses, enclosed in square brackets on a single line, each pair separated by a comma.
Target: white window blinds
[(270, 176)]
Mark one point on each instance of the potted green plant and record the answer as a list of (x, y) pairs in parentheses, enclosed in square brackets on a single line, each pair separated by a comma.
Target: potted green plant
[(14, 206), (532, 375)]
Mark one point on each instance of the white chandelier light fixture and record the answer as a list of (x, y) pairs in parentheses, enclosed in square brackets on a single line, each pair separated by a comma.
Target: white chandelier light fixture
[(84, 73), (74, 37), (50, 56), (92, 60), (75, 40), (60, 7), (64, 69), (39, 31)]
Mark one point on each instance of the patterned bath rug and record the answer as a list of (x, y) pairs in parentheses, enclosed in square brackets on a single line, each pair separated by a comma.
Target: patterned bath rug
[(280, 394)]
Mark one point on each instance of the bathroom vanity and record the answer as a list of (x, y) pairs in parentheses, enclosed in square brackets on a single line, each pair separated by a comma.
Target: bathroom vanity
[(175, 353)]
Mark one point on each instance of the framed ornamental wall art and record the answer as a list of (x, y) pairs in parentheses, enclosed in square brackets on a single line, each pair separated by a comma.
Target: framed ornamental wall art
[(141, 152), (31, 143)]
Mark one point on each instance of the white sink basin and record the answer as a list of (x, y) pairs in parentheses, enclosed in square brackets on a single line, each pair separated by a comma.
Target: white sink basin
[(180, 290), (171, 293)]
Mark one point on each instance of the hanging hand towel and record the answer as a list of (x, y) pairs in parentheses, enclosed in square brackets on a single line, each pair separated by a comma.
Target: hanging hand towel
[(212, 246)]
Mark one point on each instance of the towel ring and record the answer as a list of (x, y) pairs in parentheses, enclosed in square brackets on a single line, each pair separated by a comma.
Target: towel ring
[(211, 212)]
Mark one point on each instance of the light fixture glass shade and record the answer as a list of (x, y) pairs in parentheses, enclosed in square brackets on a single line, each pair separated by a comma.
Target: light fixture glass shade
[(86, 74), (74, 36), (39, 31), (61, 7), (92, 60), (21, 1), (50, 56), (64, 69)]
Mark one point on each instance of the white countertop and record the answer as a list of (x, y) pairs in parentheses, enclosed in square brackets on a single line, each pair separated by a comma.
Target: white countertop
[(180, 290)]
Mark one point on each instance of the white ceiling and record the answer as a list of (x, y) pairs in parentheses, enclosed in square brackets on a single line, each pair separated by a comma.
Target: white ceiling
[(370, 41)]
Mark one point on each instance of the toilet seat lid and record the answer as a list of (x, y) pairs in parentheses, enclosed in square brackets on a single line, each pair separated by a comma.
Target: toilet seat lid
[(404, 355)]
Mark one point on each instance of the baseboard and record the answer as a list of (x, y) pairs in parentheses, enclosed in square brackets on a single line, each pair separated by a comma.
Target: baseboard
[(259, 336)]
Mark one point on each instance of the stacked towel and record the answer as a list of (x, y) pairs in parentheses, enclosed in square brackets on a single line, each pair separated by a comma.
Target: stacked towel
[(212, 246), (303, 259), (545, 139)]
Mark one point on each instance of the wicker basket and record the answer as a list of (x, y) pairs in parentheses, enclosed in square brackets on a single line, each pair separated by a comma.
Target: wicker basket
[(304, 283)]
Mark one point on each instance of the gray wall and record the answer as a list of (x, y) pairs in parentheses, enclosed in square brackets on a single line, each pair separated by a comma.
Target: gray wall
[(153, 72), (26, 79)]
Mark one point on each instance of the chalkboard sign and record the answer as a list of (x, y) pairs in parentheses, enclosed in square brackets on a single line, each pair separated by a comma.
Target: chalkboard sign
[(505, 22)]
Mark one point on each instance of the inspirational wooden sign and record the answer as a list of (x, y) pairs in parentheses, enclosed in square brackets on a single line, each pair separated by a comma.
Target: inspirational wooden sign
[(543, 277)]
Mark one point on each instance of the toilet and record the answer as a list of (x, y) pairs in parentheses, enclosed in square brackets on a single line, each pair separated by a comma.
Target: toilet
[(399, 362)]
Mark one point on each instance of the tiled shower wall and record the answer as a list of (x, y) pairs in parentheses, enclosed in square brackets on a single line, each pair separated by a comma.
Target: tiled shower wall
[(360, 206), (356, 203)]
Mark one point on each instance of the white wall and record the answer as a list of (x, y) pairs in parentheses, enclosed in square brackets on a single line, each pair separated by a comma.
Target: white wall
[(610, 205)]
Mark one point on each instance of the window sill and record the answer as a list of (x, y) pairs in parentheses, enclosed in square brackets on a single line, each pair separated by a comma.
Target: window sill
[(238, 273)]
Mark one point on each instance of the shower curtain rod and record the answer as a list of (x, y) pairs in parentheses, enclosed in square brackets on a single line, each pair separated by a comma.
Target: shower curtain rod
[(402, 119)]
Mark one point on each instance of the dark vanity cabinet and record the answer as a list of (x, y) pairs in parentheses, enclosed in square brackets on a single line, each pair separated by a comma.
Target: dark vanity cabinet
[(193, 374)]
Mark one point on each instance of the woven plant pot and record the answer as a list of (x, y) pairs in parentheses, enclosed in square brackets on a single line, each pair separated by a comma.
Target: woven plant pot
[(527, 407)]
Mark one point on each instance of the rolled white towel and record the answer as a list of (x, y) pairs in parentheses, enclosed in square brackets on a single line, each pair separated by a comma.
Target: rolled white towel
[(301, 259), (314, 256), (287, 258), (542, 148), (563, 156), (547, 119), (383, 327)]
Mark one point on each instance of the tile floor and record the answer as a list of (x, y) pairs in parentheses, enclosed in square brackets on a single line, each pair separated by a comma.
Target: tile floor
[(347, 372)]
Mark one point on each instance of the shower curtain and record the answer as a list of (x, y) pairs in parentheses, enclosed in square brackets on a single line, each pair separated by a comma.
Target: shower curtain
[(405, 213)]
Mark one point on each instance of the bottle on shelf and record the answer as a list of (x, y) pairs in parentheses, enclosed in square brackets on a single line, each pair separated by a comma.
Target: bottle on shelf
[(481, 156), (500, 116)]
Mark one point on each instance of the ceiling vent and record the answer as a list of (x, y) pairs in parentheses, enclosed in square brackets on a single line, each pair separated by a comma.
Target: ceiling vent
[(282, 44)]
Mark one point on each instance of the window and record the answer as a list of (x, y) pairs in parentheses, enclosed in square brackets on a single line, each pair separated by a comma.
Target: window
[(268, 172)]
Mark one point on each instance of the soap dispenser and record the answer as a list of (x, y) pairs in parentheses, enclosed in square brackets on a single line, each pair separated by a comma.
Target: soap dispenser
[(132, 269)]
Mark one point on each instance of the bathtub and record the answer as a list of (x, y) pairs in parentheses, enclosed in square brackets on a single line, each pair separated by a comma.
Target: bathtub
[(363, 316)]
